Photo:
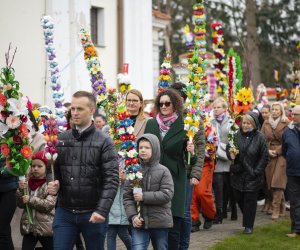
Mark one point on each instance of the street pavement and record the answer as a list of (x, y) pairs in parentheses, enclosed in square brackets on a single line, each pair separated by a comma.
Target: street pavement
[(202, 240)]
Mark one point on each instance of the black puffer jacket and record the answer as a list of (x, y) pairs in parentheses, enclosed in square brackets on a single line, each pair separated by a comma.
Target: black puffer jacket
[(87, 168), (249, 165)]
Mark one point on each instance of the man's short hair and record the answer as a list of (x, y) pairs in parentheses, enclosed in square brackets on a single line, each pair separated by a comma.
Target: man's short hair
[(90, 96)]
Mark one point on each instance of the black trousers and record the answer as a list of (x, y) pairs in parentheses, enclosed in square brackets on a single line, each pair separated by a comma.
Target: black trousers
[(29, 242), (174, 234), (223, 191), (247, 202), (7, 207), (293, 186)]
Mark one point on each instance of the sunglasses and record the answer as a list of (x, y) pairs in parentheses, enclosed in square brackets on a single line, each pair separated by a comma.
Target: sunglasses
[(167, 104)]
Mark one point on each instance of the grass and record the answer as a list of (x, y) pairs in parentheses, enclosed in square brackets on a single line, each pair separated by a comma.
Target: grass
[(267, 237)]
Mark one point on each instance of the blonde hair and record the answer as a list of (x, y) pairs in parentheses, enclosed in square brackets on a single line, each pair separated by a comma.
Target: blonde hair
[(283, 115), (141, 114), (250, 119), (222, 101)]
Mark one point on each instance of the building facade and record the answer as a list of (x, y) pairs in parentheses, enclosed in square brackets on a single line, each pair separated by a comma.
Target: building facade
[(122, 31)]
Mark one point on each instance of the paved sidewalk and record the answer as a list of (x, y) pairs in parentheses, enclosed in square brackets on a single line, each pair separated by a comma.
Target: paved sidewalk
[(204, 239)]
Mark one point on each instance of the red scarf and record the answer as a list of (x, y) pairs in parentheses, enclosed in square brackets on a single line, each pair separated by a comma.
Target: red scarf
[(33, 184)]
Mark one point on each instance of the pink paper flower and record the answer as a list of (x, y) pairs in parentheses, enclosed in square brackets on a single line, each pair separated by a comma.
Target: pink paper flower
[(13, 121)]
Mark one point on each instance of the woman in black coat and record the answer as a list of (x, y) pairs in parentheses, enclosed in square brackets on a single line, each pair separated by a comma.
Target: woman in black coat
[(248, 168)]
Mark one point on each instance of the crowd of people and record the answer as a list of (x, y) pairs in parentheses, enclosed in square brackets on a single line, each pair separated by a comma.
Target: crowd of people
[(91, 201)]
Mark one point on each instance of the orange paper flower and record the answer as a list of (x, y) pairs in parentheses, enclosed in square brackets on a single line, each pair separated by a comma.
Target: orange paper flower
[(26, 152)]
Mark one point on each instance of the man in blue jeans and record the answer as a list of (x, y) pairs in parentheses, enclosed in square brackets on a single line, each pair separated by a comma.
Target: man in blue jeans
[(87, 178)]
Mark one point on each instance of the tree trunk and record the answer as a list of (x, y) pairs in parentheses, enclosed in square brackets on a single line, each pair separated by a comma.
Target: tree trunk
[(252, 51)]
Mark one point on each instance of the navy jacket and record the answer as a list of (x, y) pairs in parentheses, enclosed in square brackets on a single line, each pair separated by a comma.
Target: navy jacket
[(291, 150), (8, 182)]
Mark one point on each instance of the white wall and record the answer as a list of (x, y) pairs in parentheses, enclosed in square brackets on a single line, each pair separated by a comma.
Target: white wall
[(20, 25), (138, 50), (108, 53)]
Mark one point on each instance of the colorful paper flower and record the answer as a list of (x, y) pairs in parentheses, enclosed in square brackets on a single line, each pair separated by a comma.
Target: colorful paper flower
[(165, 79), (14, 123), (93, 66), (57, 90)]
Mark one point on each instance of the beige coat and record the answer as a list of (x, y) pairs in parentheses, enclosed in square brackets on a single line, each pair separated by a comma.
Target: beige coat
[(43, 206), (139, 127), (276, 168)]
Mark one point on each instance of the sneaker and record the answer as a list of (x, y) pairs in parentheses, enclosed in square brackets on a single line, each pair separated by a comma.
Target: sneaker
[(195, 226), (195, 229), (248, 230), (207, 224), (287, 206), (292, 235), (261, 202)]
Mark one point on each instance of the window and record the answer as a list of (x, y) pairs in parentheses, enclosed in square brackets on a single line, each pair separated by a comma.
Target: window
[(97, 26)]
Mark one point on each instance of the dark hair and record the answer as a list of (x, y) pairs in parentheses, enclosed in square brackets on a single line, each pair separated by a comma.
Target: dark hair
[(175, 100), (100, 115), (266, 106), (179, 86), (69, 116), (89, 95), (67, 104), (32, 119)]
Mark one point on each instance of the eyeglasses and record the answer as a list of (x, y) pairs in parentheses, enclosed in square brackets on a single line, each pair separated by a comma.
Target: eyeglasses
[(132, 101), (167, 104)]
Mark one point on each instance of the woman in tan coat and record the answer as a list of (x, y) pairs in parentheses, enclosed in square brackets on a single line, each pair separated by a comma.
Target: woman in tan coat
[(276, 170), (135, 107)]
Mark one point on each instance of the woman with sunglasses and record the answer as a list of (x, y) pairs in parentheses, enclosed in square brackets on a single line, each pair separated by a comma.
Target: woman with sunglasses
[(168, 127), (135, 107)]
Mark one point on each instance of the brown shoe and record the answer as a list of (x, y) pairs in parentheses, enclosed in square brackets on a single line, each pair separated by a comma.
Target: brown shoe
[(292, 235)]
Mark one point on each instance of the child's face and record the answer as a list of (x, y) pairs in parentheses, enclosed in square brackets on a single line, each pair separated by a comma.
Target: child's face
[(38, 169), (145, 150)]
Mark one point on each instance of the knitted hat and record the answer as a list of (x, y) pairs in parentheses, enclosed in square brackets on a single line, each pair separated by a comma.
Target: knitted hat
[(40, 156)]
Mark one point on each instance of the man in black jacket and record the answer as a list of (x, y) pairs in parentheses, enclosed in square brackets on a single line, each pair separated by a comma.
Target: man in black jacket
[(291, 152), (87, 178)]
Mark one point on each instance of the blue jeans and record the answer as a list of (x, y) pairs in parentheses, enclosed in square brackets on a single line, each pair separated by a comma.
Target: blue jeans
[(122, 231), (67, 225), (187, 223), (141, 238)]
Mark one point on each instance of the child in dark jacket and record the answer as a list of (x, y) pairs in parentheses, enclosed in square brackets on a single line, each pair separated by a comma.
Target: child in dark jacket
[(155, 198), (41, 205)]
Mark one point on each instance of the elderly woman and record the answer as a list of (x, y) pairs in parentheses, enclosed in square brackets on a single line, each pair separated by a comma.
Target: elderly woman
[(169, 129), (276, 170), (248, 168)]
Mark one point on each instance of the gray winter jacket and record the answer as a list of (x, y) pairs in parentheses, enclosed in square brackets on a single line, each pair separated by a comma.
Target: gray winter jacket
[(158, 190), (222, 163)]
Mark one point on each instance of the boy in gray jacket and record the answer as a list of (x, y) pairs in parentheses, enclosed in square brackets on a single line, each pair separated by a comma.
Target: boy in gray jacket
[(155, 198)]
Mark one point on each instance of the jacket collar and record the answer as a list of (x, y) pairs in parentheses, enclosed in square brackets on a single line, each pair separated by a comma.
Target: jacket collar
[(175, 128), (85, 133)]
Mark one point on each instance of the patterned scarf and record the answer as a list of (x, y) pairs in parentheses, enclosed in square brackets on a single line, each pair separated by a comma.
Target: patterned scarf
[(165, 122), (220, 118), (33, 184)]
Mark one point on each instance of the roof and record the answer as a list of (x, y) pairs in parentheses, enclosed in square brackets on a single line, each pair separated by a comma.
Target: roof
[(160, 15)]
